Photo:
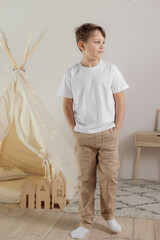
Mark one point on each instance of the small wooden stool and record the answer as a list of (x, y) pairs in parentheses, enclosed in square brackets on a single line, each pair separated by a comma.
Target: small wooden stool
[(145, 139)]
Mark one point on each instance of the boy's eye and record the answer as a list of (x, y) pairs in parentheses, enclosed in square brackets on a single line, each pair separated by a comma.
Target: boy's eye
[(99, 42)]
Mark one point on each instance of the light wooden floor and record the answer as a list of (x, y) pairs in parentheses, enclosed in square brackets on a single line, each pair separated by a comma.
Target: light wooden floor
[(39, 224)]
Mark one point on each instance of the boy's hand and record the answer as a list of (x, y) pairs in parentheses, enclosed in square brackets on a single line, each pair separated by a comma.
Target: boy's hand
[(118, 127), (73, 130)]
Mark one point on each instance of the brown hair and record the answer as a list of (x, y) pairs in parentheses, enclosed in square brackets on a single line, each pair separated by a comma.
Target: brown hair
[(84, 31)]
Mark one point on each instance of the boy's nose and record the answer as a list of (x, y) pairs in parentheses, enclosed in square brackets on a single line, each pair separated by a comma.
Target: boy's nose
[(102, 46)]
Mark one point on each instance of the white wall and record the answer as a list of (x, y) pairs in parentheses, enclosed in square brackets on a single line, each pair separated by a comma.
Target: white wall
[(132, 44)]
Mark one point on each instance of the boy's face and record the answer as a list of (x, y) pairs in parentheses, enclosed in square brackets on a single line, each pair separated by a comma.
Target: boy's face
[(94, 48)]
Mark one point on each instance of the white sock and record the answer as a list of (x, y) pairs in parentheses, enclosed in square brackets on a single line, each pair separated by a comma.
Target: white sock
[(113, 225), (79, 232)]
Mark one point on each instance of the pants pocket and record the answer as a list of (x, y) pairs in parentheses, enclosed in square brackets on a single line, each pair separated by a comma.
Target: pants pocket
[(116, 131)]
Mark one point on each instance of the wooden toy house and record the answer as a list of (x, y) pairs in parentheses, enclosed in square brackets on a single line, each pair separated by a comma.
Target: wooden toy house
[(43, 194), (58, 191), (28, 194)]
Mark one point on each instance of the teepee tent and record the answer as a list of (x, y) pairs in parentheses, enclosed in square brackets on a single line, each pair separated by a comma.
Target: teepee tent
[(29, 137)]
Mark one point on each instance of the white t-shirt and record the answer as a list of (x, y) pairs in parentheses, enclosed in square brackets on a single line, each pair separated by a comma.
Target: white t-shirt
[(92, 91)]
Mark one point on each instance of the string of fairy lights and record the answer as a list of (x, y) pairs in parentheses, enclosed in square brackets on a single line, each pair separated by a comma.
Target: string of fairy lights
[(55, 164), (50, 167), (2, 79), (53, 132)]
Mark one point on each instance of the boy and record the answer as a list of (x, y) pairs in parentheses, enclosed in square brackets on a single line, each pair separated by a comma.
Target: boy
[(94, 107)]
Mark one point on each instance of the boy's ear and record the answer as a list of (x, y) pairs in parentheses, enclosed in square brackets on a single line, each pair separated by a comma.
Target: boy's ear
[(81, 45)]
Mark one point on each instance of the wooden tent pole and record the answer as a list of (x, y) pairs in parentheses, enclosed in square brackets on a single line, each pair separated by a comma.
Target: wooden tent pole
[(35, 45), (26, 53), (6, 48), (3, 43), (25, 57)]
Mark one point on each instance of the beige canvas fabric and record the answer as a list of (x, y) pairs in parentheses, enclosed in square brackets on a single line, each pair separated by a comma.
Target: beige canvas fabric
[(29, 137)]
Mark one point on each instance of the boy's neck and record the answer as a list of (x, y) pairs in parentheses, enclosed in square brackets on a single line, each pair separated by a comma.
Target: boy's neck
[(89, 63)]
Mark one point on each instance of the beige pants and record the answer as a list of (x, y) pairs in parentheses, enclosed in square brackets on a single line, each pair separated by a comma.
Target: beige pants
[(88, 148)]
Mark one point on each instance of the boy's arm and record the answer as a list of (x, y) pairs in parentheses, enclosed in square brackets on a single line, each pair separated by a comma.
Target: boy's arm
[(119, 109), (68, 112)]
